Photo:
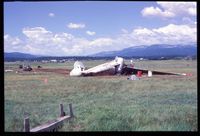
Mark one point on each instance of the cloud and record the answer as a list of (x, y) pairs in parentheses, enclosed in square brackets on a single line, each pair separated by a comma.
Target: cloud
[(12, 40), (101, 42), (143, 31), (47, 42), (170, 34), (12, 43), (62, 38), (35, 32), (39, 40), (155, 11), (90, 33), (171, 9), (37, 35), (180, 8), (124, 30), (51, 14), (75, 26)]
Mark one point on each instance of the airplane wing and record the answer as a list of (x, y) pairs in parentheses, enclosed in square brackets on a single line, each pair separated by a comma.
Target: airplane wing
[(127, 70), (116, 66), (101, 70), (100, 73)]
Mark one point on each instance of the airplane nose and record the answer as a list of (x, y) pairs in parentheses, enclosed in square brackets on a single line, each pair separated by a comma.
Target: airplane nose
[(75, 72)]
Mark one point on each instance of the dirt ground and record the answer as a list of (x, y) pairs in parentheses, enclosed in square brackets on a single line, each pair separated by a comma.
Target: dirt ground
[(58, 71)]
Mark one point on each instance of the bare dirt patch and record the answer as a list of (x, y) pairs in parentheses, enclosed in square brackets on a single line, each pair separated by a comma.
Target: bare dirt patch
[(58, 71)]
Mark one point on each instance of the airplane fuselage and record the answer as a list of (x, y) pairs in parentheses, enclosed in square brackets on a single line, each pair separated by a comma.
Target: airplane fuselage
[(113, 67)]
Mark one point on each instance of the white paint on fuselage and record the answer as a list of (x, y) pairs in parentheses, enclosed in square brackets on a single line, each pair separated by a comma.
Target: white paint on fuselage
[(80, 69)]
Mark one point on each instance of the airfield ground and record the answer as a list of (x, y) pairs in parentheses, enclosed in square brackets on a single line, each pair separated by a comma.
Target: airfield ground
[(103, 103)]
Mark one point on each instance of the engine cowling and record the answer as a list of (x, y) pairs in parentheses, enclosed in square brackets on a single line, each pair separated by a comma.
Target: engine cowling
[(78, 69)]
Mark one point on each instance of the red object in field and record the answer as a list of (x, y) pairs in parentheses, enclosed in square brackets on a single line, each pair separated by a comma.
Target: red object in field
[(139, 73), (189, 74), (45, 80)]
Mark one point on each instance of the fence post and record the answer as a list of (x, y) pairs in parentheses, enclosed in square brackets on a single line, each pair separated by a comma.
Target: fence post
[(26, 125), (61, 111), (70, 110)]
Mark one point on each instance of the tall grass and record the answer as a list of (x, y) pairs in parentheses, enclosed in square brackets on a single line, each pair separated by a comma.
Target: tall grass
[(105, 104)]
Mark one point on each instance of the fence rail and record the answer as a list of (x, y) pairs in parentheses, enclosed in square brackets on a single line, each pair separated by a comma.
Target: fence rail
[(52, 125)]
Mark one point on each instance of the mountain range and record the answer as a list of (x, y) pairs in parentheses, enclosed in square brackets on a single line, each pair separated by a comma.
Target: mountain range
[(19, 55), (156, 50)]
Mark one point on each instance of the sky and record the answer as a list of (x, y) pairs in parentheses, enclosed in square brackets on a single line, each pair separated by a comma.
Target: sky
[(79, 28)]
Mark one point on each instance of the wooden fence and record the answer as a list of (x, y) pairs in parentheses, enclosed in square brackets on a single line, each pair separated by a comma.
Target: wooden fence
[(50, 126)]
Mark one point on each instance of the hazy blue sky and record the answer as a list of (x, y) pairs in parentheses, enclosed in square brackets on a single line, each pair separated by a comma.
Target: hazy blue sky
[(86, 27)]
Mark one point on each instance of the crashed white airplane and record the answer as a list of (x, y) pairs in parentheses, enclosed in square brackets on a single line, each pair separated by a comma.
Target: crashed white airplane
[(115, 67)]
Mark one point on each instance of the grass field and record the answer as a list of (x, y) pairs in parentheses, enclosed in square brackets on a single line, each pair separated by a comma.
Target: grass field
[(160, 103)]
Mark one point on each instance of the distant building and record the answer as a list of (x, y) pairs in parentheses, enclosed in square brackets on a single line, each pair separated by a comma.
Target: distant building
[(62, 61), (188, 58), (54, 61), (45, 61), (8, 70)]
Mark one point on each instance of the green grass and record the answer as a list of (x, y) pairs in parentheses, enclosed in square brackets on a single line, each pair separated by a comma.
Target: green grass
[(105, 104)]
